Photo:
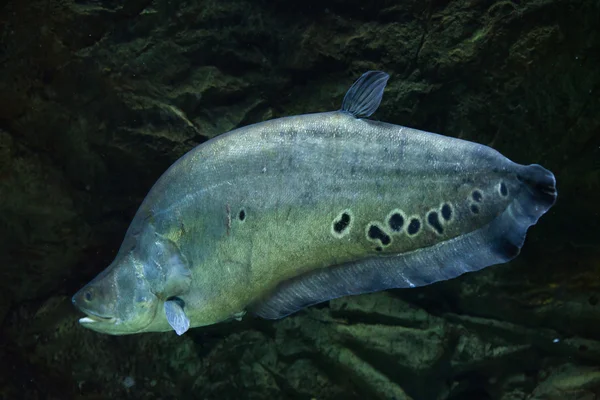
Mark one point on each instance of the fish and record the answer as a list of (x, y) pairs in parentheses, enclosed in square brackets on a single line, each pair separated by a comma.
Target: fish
[(280, 215)]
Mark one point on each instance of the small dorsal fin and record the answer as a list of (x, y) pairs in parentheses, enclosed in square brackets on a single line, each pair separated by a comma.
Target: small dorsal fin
[(364, 96)]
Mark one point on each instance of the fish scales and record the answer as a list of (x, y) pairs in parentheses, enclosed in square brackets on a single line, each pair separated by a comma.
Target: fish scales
[(299, 173), (286, 213)]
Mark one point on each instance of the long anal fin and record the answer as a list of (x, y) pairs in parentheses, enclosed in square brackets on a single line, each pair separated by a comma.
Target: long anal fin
[(495, 243)]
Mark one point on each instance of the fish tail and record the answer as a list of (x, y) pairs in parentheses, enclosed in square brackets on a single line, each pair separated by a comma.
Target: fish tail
[(537, 195), (541, 187)]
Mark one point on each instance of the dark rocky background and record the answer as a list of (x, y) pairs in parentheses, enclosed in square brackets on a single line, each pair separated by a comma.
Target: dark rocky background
[(99, 97)]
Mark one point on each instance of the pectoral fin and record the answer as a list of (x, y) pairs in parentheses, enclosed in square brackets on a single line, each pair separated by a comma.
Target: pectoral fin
[(176, 316)]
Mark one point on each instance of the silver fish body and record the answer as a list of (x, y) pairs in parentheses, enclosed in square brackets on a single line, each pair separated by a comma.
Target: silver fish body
[(279, 215)]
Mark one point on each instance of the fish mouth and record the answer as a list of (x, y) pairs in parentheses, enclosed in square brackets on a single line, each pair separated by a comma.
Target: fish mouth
[(91, 317), (95, 318)]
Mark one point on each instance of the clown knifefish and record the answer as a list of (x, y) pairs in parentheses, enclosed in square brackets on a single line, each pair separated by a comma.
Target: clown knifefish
[(279, 215)]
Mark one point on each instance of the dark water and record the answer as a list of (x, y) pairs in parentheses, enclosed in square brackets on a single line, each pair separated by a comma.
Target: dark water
[(98, 98)]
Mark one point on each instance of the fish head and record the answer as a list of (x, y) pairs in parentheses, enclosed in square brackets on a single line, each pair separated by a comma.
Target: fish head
[(119, 300)]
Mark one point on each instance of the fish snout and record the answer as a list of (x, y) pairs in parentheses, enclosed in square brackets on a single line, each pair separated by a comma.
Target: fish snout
[(87, 301), (83, 297)]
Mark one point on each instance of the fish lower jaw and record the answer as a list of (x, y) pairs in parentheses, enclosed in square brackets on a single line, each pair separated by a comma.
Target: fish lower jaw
[(91, 319)]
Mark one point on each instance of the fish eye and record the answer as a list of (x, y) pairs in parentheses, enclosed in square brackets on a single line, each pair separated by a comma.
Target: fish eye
[(88, 296)]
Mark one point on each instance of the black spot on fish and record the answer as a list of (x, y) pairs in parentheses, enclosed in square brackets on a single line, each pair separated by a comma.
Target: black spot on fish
[(434, 221), (378, 248), (503, 189), (414, 226), (376, 233), (396, 221), (477, 196), (474, 208), (342, 223), (446, 212), (242, 215)]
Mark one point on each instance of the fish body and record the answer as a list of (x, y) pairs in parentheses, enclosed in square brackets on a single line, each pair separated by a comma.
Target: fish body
[(279, 215)]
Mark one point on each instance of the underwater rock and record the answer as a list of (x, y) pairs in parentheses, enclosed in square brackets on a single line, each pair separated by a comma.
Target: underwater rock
[(568, 382)]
